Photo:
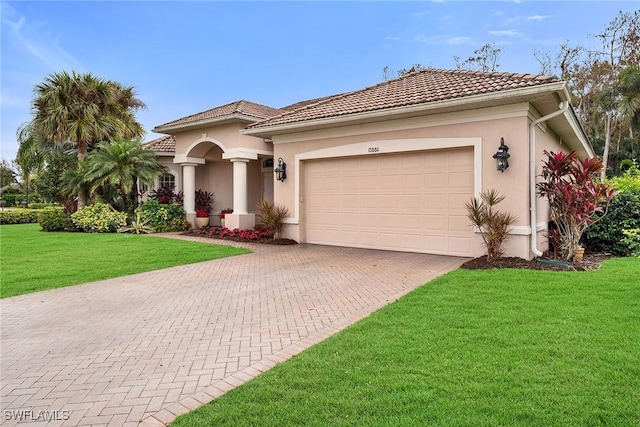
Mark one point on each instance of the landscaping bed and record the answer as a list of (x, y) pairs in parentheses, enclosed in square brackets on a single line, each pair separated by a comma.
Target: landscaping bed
[(256, 235), (590, 261)]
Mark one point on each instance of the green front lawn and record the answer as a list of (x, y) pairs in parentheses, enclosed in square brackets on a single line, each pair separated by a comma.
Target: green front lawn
[(472, 348), (33, 260)]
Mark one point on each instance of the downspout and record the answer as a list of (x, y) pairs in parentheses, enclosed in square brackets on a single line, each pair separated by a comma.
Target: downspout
[(564, 106)]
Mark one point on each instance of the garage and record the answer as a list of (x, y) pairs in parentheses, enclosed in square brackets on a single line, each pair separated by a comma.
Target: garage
[(411, 201)]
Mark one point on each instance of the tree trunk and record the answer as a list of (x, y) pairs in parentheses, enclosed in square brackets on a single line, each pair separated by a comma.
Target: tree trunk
[(607, 144), (82, 155)]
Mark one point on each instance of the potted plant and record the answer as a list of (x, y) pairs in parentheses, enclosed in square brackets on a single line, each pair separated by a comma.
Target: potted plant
[(204, 199), (222, 214)]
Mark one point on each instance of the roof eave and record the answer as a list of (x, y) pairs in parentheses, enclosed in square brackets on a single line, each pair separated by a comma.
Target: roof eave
[(390, 113), (214, 121)]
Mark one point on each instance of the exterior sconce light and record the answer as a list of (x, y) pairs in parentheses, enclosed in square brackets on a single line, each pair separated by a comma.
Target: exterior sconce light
[(281, 170), (502, 155)]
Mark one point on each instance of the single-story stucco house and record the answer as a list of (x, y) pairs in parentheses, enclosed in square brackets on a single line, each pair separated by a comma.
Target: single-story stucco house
[(390, 166)]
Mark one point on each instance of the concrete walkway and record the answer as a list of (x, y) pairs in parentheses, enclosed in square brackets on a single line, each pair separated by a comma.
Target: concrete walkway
[(145, 348)]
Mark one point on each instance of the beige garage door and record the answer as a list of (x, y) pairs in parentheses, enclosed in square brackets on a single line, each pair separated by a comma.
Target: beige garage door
[(406, 202)]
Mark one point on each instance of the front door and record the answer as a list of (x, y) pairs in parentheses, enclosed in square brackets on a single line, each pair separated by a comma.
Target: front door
[(267, 186)]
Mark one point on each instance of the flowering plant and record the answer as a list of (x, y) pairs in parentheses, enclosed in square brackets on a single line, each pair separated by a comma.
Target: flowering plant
[(201, 213), (575, 197)]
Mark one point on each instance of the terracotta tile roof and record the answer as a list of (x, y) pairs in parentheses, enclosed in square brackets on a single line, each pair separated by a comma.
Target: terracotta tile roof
[(241, 107), (305, 103), (164, 144), (419, 87)]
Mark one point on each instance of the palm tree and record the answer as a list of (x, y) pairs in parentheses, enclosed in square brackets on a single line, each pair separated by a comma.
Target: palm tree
[(120, 164), (629, 104), (82, 110)]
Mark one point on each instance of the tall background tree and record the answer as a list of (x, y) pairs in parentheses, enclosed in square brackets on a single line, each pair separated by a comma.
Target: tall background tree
[(603, 84), (81, 110), (7, 174)]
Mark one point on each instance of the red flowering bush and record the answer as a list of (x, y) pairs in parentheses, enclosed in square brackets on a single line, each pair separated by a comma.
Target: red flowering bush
[(201, 213), (249, 234), (575, 197)]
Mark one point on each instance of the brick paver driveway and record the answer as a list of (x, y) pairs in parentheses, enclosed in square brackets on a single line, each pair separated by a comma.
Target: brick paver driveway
[(148, 347)]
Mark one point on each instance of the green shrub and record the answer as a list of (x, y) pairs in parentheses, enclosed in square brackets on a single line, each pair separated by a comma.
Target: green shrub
[(632, 240), (9, 197), (99, 218), (22, 199), (164, 217), (629, 181), (55, 219), (606, 234), (43, 205), (177, 225), (18, 216)]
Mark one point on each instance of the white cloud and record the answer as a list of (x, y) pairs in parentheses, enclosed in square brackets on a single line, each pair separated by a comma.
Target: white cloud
[(509, 33), (393, 38), (31, 40), (538, 17), (459, 40), (442, 39)]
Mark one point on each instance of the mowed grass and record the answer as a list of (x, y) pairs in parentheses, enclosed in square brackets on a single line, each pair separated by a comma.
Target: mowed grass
[(472, 348), (33, 260)]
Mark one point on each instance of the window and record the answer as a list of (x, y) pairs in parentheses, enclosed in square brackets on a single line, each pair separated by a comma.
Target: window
[(268, 163), (167, 179)]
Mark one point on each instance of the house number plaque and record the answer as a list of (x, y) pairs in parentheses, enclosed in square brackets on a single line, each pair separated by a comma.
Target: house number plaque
[(373, 149)]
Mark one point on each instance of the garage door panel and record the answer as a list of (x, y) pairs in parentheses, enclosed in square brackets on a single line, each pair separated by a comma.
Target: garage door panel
[(435, 202), (369, 201), (433, 181), (457, 202), (368, 183), (410, 201), (389, 200), (433, 243), (434, 222), (409, 222), (460, 180), (412, 242), (459, 223), (371, 220)]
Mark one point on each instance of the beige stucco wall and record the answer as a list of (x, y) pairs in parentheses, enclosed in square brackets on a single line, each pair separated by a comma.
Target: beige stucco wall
[(196, 143), (489, 125)]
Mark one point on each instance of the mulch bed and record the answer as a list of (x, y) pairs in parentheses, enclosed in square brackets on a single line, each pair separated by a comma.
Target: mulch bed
[(264, 240), (590, 261)]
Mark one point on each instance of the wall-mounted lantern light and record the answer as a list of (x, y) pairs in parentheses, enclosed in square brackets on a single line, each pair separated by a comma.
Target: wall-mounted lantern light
[(502, 155), (281, 170)]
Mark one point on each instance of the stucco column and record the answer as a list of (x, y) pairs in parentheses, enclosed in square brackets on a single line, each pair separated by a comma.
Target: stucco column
[(189, 189), (239, 186), (188, 183), (240, 218)]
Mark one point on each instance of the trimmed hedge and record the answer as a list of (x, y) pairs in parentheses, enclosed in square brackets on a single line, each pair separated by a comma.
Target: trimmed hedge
[(18, 216), (55, 219), (606, 235), (43, 205)]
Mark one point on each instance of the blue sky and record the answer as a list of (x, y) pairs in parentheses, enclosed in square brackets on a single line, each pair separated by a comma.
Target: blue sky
[(186, 57)]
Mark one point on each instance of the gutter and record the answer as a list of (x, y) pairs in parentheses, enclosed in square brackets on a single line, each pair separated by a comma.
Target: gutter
[(564, 107)]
